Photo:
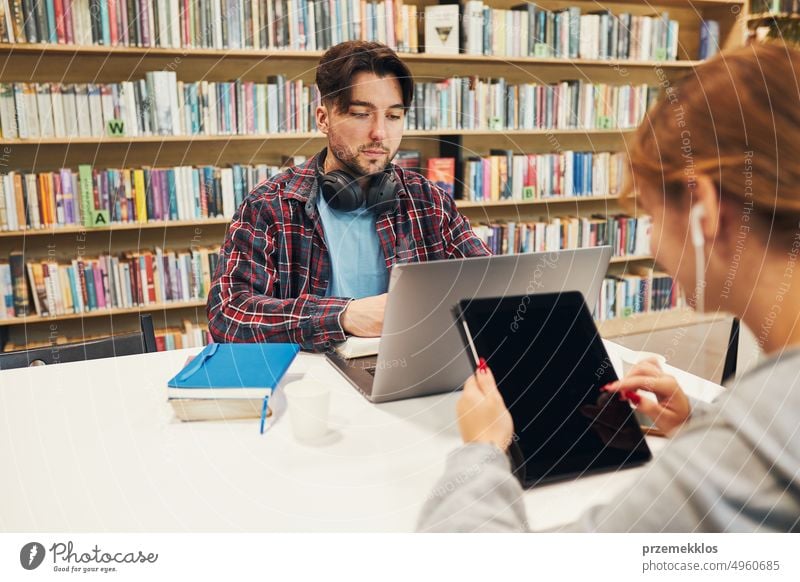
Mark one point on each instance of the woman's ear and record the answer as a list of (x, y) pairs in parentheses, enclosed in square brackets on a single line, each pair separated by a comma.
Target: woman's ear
[(706, 196)]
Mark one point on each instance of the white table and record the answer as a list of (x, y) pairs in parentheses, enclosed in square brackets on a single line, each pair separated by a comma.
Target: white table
[(94, 446)]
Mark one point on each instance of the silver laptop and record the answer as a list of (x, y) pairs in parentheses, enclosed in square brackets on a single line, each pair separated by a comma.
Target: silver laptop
[(421, 351)]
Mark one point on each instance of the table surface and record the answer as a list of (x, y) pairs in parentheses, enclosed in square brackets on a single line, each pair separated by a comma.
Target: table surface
[(94, 446)]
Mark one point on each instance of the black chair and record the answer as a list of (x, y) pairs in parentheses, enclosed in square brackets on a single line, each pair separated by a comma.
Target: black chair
[(140, 342)]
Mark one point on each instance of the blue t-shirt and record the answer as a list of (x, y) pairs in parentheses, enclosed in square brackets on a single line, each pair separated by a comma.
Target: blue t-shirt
[(358, 266)]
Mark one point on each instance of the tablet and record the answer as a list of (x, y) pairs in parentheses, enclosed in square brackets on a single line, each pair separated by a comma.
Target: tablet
[(550, 365)]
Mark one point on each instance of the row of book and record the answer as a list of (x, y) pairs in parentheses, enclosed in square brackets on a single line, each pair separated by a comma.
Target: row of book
[(159, 104), (131, 109), (473, 103), (218, 24), (83, 284), (91, 197), (627, 235), (775, 6), (474, 28), (641, 291), (504, 175), (529, 30), (188, 335)]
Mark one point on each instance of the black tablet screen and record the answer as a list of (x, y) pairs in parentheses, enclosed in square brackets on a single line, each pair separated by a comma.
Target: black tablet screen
[(550, 363)]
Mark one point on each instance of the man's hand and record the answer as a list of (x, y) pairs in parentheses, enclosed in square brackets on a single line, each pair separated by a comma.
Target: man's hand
[(364, 317)]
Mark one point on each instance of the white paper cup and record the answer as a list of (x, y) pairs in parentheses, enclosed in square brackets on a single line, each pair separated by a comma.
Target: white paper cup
[(633, 358), (309, 405)]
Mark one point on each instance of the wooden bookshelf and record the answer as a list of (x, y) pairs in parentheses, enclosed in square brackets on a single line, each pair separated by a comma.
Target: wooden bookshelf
[(103, 64), (151, 308)]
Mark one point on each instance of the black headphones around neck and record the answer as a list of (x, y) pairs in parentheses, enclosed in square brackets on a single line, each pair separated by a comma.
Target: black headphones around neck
[(342, 192)]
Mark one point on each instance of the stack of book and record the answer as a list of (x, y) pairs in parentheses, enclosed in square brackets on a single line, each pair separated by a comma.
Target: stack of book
[(71, 198), (159, 104), (528, 30), (644, 291), (219, 24), (508, 176), (473, 103), (130, 279), (627, 236)]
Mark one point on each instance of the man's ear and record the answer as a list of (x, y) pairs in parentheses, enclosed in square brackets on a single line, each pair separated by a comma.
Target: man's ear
[(323, 118)]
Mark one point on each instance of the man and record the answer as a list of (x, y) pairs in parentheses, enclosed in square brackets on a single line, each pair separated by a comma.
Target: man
[(308, 254)]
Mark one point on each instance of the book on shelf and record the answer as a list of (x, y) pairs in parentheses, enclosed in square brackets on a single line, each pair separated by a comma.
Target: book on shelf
[(709, 39), (127, 280), (643, 290), (408, 159), (283, 106), (188, 335), (627, 235), (91, 197), (441, 171), (222, 378), (774, 6), (158, 105), (220, 24), (442, 29), (501, 163), (542, 176), (474, 103), (529, 30)]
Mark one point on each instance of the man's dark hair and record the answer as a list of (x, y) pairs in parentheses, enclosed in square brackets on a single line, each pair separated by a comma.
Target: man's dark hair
[(342, 62)]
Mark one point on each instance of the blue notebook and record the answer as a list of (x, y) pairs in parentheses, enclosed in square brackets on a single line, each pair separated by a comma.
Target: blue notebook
[(233, 371)]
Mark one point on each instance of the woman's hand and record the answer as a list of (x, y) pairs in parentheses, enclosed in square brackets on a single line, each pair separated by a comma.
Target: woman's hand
[(482, 414), (671, 408)]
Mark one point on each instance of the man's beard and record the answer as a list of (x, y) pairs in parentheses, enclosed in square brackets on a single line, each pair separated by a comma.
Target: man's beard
[(350, 159)]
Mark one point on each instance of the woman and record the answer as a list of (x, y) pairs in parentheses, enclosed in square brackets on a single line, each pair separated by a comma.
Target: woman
[(720, 150)]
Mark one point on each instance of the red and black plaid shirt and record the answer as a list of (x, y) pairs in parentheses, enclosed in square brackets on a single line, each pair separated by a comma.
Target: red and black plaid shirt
[(275, 268)]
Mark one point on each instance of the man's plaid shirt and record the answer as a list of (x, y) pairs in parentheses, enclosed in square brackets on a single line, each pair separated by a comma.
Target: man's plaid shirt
[(274, 265)]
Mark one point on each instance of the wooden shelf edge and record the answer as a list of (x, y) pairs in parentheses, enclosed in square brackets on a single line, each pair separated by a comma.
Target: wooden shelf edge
[(766, 16), (655, 320), (36, 319), (630, 259), (267, 54), (534, 202), (114, 227), (254, 137)]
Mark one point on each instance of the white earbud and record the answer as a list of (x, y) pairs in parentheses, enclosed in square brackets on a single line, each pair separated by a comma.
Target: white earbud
[(696, 214)]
